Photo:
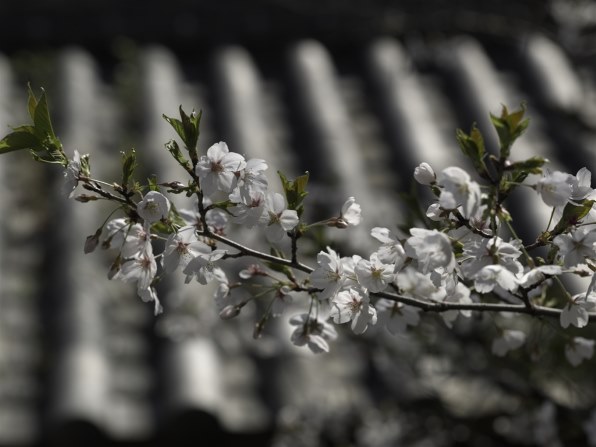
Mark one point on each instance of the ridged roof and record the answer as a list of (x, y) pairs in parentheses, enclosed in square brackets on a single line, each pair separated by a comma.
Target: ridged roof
[(82, 359)]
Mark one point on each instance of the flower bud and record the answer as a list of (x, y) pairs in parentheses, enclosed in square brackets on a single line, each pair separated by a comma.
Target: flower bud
[(337, 222), (424, 174), (84, 198), (229, 312), (91, 243)]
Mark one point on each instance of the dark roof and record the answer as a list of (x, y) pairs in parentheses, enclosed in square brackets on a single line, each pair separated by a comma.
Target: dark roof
[(357, 96)]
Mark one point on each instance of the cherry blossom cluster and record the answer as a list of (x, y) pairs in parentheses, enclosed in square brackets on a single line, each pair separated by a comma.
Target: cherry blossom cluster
[(464, 257)]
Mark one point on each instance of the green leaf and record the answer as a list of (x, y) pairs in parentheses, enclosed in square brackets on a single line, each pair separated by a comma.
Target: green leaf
[(530, 166), (517, 172), (295, 191), (176, 125), (191, 128), (572, 215), (173, 148), (129, 164), (152, 183), (42, 130), (41, 118), (31, 103), (19, 140), (187, 127), (472, 145), (509, 127)]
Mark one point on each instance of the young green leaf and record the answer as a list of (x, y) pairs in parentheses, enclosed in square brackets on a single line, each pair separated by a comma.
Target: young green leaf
[(41, 118), (129, 164), (509, 127), (572, 214), (472, 145), (187, 127), (19, 140), (31, 103), (152, 183), (295, 191)]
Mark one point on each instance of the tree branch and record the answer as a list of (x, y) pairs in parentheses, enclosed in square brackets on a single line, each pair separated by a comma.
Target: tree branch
[(427, 306)]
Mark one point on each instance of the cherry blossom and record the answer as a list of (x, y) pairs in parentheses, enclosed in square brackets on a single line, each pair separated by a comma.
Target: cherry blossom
[(374, 274), (353, 305), (391, 251), (71, 175), (555, 188), (574, 247), (395, 316), (216, 219), (181, 247), (114, 233), (581, 185), (424, 174), (154, 206), (228, 298), (202, 266), (140, 269), (418, 285), (250, 208), (350, 213), (457, 189), (253, 177), (575, 312), (329, 273), (313, 332), (431, 248), (460, 294), (348, 264), (278, 218), (479, 252), (538, 274), (282, 299), (490, 276), (137, 240), (435, 212), (217, 170)]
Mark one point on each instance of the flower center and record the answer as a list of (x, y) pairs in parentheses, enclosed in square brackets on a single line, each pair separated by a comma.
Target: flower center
[(216, 167)]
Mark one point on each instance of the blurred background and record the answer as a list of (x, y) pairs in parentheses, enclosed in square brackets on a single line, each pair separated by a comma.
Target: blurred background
[(357, 93)]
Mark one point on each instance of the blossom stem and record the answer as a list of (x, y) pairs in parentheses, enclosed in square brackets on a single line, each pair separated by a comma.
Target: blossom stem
[(106, 195), (257, 254), (550, 220)]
